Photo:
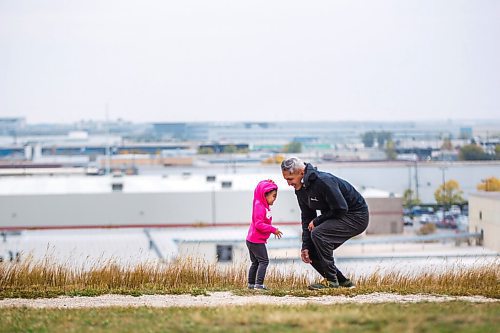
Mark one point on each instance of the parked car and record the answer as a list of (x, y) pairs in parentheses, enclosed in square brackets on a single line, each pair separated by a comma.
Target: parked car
[(448, 221), (428, 218), (455, 210), (417, 210), (407, 220)]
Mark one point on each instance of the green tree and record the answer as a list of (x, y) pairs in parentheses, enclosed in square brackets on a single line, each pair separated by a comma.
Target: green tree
[(447, 145), (449, 193), (230, 149), (409, 199), (205, 150), (472, 153), (491, 184), (368, 139), (390, 150), (293, 147), (383, 138)]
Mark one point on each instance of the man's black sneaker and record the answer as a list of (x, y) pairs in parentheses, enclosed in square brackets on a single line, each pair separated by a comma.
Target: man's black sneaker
[(347, 284), (325, 284)]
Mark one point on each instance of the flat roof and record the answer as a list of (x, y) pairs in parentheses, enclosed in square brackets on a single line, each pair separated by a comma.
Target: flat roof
[(484, 194)]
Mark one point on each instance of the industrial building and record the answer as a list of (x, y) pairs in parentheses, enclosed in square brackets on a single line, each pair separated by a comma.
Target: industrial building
[(484, 217), (51, 202)]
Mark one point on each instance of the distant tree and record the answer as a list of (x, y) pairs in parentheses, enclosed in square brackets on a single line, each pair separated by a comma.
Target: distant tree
[(293, 147), (243, 150), (491, 184), (383, 138), (497, 152), (409, 200), (472, 153), (447, 145), (390, 150), (449, 194), (368, 139), (205, 150), (275, 159), (230, 149)]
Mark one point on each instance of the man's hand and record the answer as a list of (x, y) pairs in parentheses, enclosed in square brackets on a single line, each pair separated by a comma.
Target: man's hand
[(278, 233), (311, 225), (304, 255)]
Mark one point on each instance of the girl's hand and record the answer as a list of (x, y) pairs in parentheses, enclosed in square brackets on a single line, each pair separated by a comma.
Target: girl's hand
[(277, 233)]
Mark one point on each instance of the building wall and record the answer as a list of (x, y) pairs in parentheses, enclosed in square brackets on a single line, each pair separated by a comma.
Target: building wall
[(122, 209), (133, 209), (386, 215), (484, 215)]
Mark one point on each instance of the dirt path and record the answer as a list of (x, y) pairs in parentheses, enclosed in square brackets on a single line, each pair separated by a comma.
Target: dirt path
[(225, 299)]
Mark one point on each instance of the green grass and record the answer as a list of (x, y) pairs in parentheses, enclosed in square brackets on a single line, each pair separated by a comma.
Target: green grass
[(390, 317), (30, 279)]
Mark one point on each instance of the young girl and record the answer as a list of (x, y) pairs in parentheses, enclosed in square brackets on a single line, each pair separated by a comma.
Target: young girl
[(264, 196)]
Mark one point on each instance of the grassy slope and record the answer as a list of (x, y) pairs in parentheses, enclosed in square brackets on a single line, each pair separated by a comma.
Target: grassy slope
[(389, 317)]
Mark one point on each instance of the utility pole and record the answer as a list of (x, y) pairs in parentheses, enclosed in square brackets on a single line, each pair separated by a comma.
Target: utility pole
[(445, 199), (108, 149), (409, 183), (416, 179)]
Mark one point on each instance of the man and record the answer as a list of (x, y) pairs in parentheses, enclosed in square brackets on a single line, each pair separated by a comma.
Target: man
[(344, 214)]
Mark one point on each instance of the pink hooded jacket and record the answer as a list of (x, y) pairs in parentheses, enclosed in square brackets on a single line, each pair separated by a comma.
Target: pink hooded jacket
[(261, 228)]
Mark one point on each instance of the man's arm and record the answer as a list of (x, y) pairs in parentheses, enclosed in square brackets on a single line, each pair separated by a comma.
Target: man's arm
[(307, 215)]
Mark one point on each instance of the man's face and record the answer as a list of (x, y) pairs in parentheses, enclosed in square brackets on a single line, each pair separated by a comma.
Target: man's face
[(294, 179)]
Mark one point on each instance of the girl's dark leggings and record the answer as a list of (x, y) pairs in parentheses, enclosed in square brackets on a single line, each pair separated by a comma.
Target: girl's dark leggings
[(260, 261)]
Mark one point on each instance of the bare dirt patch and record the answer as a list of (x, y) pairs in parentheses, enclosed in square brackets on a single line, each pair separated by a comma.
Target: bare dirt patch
[(226, 299)]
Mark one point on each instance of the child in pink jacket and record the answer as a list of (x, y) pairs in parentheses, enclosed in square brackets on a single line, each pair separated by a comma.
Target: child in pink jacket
[(264, 196)]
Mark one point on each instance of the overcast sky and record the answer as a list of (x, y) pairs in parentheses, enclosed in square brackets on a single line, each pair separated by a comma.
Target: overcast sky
[(143, 61)]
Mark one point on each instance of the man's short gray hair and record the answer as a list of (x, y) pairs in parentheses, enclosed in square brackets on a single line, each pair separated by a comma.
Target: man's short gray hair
[(292, 164)]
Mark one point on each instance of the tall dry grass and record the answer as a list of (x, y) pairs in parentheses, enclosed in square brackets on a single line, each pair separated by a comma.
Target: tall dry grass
[(44, 279), (481, 280)]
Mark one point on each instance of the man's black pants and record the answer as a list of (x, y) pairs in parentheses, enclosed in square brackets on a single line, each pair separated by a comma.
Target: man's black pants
[(329, 235)]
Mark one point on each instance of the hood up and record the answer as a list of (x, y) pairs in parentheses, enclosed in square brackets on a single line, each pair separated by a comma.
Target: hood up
[(310, 174), (262, 188)]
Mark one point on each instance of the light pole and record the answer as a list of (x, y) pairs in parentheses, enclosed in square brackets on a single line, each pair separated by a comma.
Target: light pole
[(416, 178), (445, 199)]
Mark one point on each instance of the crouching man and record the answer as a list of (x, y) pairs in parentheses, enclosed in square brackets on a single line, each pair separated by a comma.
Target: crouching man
[(344, 214)]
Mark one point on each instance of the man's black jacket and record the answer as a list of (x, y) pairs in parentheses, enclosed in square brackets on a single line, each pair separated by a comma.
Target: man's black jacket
[(333, 196)]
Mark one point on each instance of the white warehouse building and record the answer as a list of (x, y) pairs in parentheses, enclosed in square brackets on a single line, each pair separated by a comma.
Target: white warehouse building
[(73, 202)]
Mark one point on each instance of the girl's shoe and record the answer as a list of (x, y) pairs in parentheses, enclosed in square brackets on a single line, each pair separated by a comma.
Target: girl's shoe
[(260, 287), (251, 286)]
